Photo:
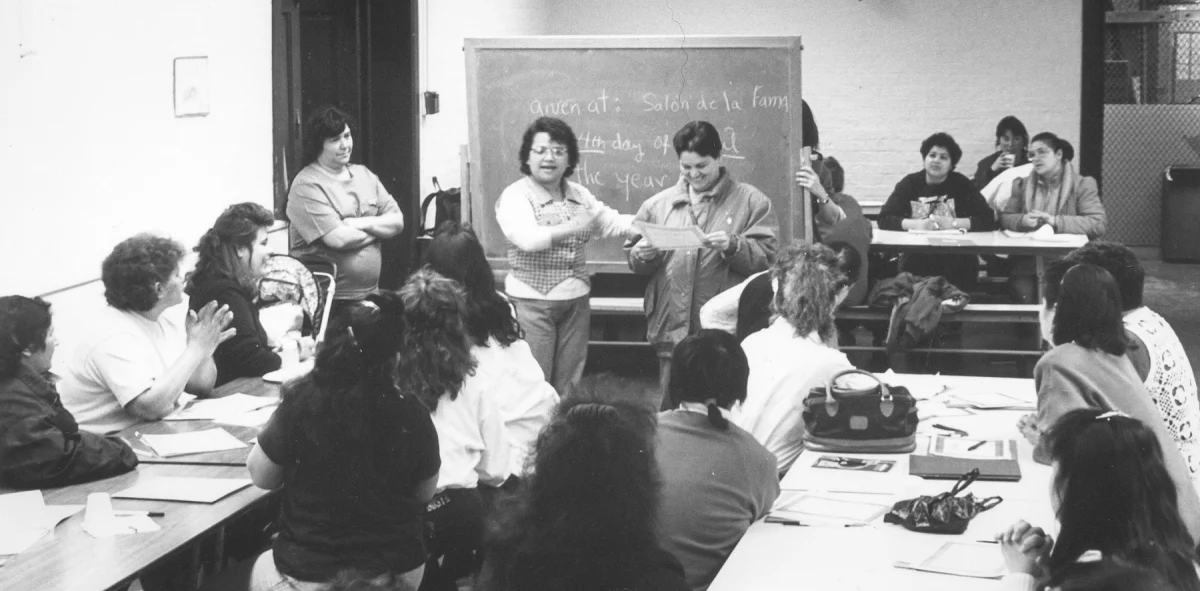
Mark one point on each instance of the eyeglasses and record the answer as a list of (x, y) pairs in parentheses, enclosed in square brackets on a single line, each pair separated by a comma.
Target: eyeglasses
[(542, 150)]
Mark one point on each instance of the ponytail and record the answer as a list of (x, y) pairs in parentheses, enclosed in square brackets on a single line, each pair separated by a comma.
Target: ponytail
[(714, 415)]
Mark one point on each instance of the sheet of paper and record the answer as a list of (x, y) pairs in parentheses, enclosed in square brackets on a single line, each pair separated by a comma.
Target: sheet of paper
[(194, 442), (254, 418), (289, 373), (947, 232), (936, 409), (667, 238), (986, 400), (122, 525), (963, 559), (960, 447), (52, 515), (950, 241), (216, 408), (21, 521), (185, 489), (808, 508)]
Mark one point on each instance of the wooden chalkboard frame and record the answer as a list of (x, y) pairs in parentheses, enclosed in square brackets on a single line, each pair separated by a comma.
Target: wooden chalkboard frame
[(473, 203)]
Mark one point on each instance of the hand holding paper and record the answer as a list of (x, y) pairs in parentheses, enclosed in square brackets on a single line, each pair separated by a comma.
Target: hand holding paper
[(667, 238)]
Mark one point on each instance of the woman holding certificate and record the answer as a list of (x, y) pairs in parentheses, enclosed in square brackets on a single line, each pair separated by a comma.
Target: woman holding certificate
[(739, 228)]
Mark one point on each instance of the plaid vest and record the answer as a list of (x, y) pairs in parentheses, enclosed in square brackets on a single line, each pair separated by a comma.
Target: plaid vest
[(545, 269)]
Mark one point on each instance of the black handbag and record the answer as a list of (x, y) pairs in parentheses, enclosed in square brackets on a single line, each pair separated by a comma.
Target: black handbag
[(946, 513), (879, 419)]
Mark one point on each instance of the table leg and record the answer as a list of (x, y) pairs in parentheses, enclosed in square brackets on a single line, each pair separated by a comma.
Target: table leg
[(1039, 264)]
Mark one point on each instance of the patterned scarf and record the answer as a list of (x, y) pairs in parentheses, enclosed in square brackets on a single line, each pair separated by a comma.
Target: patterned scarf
[(1050, 203)]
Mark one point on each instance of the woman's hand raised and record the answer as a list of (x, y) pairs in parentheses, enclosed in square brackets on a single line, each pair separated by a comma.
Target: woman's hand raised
[(207, 328)]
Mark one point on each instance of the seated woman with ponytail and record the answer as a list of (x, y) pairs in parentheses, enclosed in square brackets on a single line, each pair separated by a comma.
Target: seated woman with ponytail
[(228, 267), (717, 479), (357, 458)]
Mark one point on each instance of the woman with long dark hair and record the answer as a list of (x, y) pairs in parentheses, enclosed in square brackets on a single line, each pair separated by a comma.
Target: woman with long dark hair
[(584, 519), (228, 266), (1114, 497), (356, 455), (505, 366), (1087, 368), (435, 364)]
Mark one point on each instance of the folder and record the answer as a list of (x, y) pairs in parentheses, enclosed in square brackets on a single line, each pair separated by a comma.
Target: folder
[(935, 467)]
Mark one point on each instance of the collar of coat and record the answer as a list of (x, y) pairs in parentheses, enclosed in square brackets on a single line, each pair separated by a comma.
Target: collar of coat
[(542, 196), (718, 191), (38, 383)]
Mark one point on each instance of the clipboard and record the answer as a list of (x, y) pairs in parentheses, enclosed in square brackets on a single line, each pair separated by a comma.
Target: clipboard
[(933, 467)]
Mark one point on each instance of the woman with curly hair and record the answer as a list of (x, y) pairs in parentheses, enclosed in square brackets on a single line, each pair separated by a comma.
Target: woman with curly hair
[(230, 263), (40, 442), (434, 366), (356, 457), (584, 519), (136, 360), (505, 366), (797, 352)]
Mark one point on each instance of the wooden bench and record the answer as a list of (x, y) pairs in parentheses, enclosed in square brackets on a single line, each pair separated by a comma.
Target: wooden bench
[(985, 313), (631, 308)]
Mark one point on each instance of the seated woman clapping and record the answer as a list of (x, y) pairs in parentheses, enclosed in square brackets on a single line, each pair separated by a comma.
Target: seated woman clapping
[(1115, 501), (584, 519), (505, 366), (717, 480), (1087, 368), (796, 352), (136, 360), (40, 442)]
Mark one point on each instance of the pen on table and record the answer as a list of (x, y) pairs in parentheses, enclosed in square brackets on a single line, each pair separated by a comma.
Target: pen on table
[(988, 541), (798, 524), (976, 445), (951, 429), (136, 513)]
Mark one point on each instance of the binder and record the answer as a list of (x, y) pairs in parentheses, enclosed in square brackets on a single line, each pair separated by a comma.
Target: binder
[(931, 467)]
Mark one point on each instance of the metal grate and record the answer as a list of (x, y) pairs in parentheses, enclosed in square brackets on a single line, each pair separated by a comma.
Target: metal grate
[(1151, 111)]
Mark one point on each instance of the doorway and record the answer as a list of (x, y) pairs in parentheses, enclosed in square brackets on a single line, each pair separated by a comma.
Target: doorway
[(361, 56)]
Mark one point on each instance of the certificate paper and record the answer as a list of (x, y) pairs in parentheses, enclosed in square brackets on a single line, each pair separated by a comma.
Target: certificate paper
[(665, 238)]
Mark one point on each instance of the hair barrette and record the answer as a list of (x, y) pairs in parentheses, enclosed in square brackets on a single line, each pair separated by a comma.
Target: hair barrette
[(1110, 414)]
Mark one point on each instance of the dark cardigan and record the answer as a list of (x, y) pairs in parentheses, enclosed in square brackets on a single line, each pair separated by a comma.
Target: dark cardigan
[(247, 353)]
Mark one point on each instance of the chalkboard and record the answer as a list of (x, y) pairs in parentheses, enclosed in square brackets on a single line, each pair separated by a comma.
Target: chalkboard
[(625, 97)]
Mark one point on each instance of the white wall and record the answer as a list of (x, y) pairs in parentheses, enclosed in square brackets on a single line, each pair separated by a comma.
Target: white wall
[(445, 23), (92, 146), (881, 75)]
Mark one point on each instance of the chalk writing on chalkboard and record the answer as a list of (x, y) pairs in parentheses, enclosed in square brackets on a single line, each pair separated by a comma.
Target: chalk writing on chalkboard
[(625, 98)]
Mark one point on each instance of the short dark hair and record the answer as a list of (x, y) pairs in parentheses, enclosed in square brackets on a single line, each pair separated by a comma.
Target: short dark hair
[(134, 266), (24, 324), (1107, 574), (1087, 306), (324, 123), (837, 174), (1120, 262), (1113, 467), (699, 137), (808, 126), (560, 132), (943, 140), (1055, 143), (1011, 123), (710, 367), (236, 227), (849, 262), (355, 580)]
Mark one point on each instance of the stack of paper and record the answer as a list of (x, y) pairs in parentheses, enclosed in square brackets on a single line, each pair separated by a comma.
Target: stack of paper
[(195, 442), (212, 409), (986, 400), (982, 561), (25, 518)]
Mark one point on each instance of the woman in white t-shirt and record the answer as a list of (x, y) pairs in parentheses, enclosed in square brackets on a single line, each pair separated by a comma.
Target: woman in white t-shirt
[(136, 360), (434, 365), (505, 365)]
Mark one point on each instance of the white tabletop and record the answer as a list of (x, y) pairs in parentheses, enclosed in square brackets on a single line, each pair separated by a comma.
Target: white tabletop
[(997, 242), (775, 556)]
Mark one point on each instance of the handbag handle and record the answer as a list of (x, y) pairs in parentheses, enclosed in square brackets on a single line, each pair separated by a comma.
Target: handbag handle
[(963, 482), (885, 399)]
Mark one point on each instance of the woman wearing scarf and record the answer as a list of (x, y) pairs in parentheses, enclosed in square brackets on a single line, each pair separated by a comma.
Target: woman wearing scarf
[(1054, 195)]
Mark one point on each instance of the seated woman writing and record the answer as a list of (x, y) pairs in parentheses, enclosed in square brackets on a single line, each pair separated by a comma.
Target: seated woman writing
[(137, 360), (938, 198), (230, 263), (41, 445), (1053, 195), (1087, 368)]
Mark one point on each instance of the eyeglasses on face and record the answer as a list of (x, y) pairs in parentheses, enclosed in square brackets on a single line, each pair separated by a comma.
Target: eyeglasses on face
[(556, 151)]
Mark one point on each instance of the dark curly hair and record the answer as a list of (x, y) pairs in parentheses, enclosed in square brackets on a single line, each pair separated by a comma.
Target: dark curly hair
[(1121, 262), (455, 252), (324, 123), (585, 518), (353, 375), (1087, 305), (944, 140), (560, 132), (436, 358), (135, 267), (24, 324), (699, 137), (236, 227), (810, 278)]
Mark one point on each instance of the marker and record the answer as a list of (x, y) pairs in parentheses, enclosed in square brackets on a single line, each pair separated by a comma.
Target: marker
[(976, 446), (988, 541), (950, 429)]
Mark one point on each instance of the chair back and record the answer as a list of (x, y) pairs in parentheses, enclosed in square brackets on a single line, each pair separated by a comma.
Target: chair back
[(309, 284)]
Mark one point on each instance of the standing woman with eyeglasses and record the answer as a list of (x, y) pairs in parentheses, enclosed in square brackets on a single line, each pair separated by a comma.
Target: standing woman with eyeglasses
[(548, 221)]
